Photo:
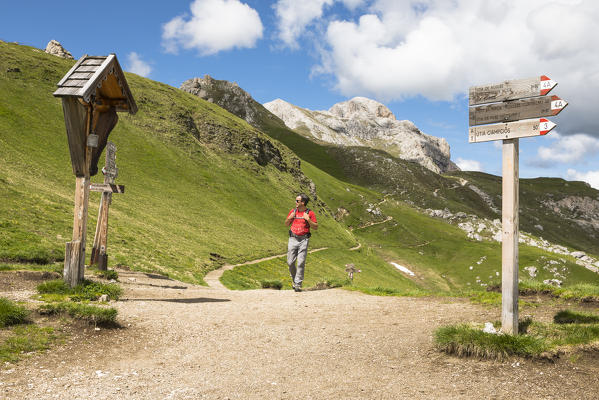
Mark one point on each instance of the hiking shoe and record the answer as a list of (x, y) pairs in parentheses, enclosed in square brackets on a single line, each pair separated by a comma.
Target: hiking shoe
[(297, 288)]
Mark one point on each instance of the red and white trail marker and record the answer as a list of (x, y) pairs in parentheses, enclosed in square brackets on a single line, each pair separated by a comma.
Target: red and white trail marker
[(511, 90), (510, 130)]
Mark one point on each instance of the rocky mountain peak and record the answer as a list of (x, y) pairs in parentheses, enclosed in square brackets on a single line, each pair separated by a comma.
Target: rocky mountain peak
[(361, 108), (226, 94), (56, 49), (366, 122)]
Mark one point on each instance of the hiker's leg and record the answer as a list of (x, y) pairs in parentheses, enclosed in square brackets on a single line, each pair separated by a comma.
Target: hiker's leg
[(301, 261), (292, 248)]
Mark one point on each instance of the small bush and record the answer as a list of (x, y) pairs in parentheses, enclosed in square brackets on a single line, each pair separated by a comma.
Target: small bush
[(108, 275), (11, 313), (330, 283), (88, 290), (271, 284), (573, 317), (86, 312)]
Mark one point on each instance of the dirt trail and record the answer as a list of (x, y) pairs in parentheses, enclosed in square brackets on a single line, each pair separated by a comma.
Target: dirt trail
[(212, 278), (181, 341)]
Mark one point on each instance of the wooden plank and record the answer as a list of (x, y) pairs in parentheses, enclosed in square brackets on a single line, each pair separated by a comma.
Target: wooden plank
[(545, 106), (77, 64), (66, 91), (511, 90), (81, 75), (107, 187), (510, 130), (71, 263), (94, 61), (75, 119), (78, 83), (87, 68), (509, 247)]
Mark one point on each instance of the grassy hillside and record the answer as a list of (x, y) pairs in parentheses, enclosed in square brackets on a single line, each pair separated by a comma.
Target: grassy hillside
[(204, 188), (196, 195)]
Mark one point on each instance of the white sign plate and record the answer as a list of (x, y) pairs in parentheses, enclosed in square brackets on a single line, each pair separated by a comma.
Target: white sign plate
[(510, 130)]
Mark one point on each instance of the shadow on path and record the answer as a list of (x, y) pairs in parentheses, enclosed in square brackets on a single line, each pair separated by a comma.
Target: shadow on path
[(185, 301)]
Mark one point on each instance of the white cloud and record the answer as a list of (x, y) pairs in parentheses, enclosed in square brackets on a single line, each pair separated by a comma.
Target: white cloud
[(438, 49), (214, 25), (469, 165), (590, 177), (137, 65), (294, 16), (567, 149)]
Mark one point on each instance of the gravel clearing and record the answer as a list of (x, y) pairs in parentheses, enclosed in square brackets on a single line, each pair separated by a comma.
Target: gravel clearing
[(181, 341)]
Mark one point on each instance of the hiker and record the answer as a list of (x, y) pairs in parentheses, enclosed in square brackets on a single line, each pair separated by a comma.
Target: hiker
[(301, 219)]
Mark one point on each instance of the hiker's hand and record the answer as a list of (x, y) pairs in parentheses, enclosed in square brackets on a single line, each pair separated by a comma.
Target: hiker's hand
[(292, 215), (306, 216)]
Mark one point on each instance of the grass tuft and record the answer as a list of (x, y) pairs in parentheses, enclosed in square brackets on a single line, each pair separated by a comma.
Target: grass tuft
[(88, 290), (90, 313), (11, 313), (271, 284), (575, 317), (466, 341)]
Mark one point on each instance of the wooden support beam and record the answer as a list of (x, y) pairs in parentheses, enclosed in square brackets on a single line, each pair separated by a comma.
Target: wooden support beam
[(509, 248)]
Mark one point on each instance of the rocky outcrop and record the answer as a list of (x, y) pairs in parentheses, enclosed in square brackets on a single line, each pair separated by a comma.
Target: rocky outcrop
[(365, 122), (225, 94), (56, 49)]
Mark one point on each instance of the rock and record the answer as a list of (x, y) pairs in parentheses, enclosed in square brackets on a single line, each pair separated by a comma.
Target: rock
[(578, 254), (56, 49), (365, 122), (532, 271), (14, 69), (489, 328), (104, 297), (553, 282), (225, 94), (539, 227)]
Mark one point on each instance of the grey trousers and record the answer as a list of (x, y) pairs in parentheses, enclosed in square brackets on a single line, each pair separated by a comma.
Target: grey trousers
[(296, 251)]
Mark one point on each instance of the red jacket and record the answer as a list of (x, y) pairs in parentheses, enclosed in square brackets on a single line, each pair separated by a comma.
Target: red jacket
[(300, 226)]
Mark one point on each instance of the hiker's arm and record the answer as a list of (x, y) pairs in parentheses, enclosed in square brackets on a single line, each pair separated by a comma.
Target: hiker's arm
[(290, 218), (311, 219)]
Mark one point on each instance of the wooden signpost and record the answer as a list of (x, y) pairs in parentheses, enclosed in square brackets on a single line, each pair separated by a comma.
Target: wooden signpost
[(512, 112), (110, 171), (92, 93)]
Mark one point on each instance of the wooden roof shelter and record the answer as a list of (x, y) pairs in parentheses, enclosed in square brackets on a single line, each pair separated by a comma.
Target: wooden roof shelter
[(92, 92)]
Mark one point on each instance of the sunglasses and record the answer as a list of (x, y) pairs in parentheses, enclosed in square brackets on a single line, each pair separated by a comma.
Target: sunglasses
[(297, 201)]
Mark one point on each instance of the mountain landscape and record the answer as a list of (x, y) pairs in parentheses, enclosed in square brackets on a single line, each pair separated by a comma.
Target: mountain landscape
[(210, 175)]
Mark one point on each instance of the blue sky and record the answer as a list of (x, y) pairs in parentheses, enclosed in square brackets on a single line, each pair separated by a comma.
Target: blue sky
[(416, 57)]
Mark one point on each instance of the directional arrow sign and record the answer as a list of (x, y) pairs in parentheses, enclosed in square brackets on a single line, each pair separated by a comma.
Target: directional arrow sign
[(545, 106), (511, 90), (106, 187), (510, 130)]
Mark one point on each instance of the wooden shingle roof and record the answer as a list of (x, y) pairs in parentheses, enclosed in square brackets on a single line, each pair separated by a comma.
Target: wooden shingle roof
[(102, 73)]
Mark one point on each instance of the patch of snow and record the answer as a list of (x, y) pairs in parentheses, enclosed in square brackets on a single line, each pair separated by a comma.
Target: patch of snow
[(402, 269)]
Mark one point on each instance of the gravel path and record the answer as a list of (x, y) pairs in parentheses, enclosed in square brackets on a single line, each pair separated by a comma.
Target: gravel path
[(188, 342)]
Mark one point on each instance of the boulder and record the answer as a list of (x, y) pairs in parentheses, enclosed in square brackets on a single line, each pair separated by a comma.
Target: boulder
[(56, 49)]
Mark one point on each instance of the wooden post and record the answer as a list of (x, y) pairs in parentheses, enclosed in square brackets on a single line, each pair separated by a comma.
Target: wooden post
[(110, 171), (74, 267), (509, 248)]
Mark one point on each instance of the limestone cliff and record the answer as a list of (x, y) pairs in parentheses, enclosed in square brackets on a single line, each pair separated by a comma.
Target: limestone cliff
[(365, 122)]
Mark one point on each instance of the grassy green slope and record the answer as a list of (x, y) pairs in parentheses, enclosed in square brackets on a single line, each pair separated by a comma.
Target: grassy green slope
[(195, 197), (200, 194)]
